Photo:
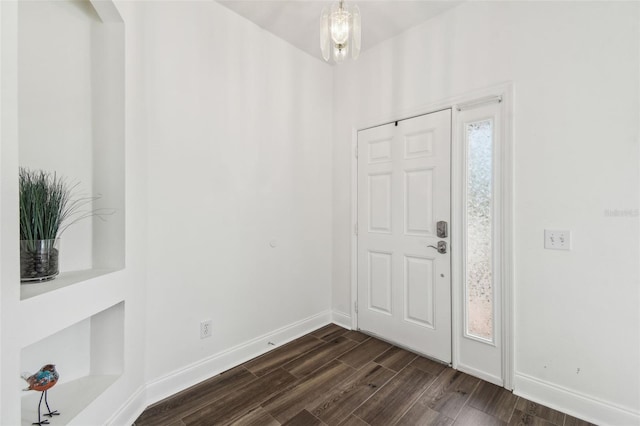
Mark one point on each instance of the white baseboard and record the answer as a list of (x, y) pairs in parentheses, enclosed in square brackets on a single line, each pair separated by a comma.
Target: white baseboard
[(480, 374), (582, 406), (130, 410), (341, 319), (195, 373)]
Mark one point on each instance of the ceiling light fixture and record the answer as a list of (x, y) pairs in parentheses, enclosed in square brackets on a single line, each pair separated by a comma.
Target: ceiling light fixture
[(340, 31)]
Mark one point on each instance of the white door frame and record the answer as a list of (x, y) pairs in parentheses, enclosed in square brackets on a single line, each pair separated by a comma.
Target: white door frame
[(505, 198)]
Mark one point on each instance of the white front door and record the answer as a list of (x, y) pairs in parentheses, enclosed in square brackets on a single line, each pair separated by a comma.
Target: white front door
[(404, 190)]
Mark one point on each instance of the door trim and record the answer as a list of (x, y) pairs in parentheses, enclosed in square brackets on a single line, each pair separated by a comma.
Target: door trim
[(505, 91)]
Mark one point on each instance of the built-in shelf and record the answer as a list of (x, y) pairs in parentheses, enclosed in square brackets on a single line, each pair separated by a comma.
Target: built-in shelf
[(70, 399), (69, 304), (71, 123), (89, 356), (65, 279), (64, 61)]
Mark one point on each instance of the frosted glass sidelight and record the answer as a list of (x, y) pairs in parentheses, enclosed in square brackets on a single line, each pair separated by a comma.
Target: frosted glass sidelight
[(479, 195)]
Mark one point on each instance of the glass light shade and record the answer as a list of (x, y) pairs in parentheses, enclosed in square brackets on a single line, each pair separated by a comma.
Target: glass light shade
[(340, 52), (356, 32), (325, 40), (340, 26), (340, 31)]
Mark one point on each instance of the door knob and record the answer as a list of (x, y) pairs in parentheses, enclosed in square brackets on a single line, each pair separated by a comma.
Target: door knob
[(442, 247)]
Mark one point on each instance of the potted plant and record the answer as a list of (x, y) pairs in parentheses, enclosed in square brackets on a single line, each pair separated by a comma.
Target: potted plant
[(47, 207)]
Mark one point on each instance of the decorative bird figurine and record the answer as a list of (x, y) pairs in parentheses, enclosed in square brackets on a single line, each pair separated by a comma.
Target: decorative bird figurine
[(42, 381)]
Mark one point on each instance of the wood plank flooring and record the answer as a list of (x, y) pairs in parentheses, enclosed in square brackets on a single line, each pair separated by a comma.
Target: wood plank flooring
[(334, 376)]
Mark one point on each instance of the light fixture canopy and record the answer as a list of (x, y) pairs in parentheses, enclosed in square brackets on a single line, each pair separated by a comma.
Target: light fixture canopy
[(340, 31)]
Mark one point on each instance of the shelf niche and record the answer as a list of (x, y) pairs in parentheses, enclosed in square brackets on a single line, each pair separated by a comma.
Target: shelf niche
[(71, 122), (89, 356)]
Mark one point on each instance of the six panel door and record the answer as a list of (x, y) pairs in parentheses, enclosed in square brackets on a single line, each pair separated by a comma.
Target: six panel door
[(404, 189)]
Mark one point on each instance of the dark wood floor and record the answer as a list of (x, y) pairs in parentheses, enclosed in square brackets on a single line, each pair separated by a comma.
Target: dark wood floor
[(334, 376)]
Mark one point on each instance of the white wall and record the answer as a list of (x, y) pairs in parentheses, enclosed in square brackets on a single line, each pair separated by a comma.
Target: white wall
[(238, 125), (576, 70)]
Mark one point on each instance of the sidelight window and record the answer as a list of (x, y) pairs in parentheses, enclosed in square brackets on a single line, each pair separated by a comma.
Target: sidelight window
[(479, 291)]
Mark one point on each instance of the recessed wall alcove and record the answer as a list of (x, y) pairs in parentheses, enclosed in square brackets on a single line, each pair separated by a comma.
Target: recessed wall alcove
[(71, 122), (63, 112), (89, 356)]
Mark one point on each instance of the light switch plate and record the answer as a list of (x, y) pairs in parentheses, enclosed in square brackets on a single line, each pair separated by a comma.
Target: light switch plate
[(557, 240)]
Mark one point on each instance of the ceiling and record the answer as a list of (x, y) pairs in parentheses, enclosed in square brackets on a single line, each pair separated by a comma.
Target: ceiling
[(298, 21)]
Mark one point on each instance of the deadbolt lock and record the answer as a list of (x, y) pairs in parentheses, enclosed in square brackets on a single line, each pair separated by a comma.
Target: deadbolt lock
[(442, 229)]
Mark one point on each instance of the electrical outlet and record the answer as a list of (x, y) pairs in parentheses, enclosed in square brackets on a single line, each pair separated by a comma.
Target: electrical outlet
[(206, 329), (557, 240)]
